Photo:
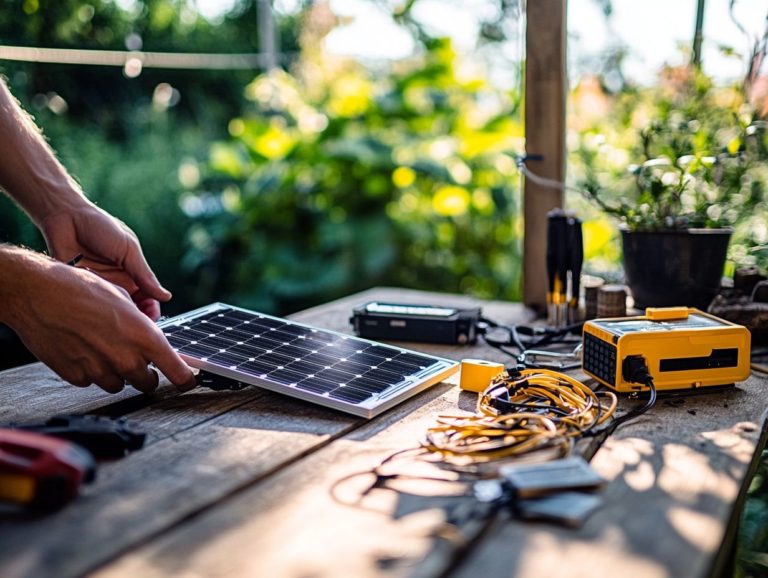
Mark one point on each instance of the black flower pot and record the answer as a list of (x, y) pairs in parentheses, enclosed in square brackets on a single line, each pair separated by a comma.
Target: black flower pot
[(674, 268)]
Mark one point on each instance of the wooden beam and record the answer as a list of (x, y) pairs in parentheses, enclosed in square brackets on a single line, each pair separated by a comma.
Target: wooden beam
[(545, 91)]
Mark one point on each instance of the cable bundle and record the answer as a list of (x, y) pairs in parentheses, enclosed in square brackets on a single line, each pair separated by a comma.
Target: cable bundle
[(528, 412), (531, 414)]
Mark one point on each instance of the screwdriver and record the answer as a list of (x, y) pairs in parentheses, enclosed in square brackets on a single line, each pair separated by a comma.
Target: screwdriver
[(41, 472), (565, 254)]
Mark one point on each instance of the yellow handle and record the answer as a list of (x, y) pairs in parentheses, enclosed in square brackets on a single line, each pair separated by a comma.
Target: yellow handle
[(666, 313), (17, 488)]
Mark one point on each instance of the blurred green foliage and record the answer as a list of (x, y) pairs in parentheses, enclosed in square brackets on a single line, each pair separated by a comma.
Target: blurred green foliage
[(752, 553), (336, 179), (136, 181), (131, 142), (112, 101), (685, 153)]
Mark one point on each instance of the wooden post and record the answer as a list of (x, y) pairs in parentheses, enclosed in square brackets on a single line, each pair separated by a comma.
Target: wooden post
[(545, 91), (698, 34)]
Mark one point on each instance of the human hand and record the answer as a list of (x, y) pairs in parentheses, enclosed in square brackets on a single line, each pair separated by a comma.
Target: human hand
[(85, 329), (109, 248)]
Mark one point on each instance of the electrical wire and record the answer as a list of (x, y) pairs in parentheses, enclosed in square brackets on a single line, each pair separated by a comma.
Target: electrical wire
[(759, 367), (522, 413), (531, 414), (635, 370), (526, 340)]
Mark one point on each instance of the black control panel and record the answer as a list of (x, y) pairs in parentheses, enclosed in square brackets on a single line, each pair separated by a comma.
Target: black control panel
[(599, 358)]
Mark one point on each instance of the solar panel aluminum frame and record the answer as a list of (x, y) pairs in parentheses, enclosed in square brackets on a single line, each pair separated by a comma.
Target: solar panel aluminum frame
[(375, 405)]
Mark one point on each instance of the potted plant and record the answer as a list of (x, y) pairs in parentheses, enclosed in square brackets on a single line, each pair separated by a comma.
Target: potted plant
[(678, 212)]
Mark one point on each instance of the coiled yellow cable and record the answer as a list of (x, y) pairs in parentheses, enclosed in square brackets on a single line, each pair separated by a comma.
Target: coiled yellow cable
[(534, 410)]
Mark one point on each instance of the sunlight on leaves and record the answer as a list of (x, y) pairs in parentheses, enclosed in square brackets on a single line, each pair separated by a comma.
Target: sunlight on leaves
[(451, 201)]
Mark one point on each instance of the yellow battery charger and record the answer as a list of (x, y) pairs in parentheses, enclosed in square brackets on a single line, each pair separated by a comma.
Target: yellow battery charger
[(683, 348)]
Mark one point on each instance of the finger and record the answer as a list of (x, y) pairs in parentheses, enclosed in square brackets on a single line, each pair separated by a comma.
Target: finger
[(144, 379), (172, 366), (136, 265), (148, 306), (111, 382), (78, 382), (73, 375)]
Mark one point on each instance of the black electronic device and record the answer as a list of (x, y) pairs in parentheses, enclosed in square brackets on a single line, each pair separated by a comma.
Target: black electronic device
[(424, 323), (103, 436)]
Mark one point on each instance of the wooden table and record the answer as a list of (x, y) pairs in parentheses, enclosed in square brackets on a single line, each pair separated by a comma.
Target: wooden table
[(238, 484)]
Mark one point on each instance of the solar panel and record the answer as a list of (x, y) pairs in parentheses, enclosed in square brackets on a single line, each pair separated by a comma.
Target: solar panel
[(354, 375)]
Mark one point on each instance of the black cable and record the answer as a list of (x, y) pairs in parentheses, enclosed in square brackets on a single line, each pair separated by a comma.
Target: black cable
[(536, 336), (635, 370)]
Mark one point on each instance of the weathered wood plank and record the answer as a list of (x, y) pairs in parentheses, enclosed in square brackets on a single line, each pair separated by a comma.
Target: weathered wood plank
[(675, 475), (675, 478), (290, 526), (203, 451), (32, 393), (227, 498), (146, 492)]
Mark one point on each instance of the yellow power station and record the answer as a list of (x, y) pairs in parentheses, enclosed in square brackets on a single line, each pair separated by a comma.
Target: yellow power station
[(683, 348)]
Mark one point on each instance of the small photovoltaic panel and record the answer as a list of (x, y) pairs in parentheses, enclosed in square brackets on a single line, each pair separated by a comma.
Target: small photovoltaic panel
[(332, 369)]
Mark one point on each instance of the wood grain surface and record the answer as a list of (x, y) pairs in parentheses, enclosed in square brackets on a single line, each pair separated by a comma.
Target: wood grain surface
[(249, 483)]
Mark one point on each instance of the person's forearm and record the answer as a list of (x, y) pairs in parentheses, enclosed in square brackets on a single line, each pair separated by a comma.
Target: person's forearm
[(29, 170), (20, 268)]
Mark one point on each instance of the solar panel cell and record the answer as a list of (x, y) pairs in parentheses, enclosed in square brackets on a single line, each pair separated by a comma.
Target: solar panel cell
[(236, 314), (305, 367), (336, 376), (411, 359), (256, 367), (266, 321), (292, 351), (381, 375), (349, 394), (366, 359), (227, 359), (357, 368), (176, 342), (382, 351), (397, 367), (367, 384), (286, 376), (320, 359), (190, 335), (197, 349), (275, 359), (230, 333), (269, 344), (317, 385), (341, 348), (293, 329), (247, 350), (310, 342), (321, 336)]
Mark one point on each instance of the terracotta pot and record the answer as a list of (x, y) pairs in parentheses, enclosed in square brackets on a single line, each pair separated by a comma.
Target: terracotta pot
[(671, 268)]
